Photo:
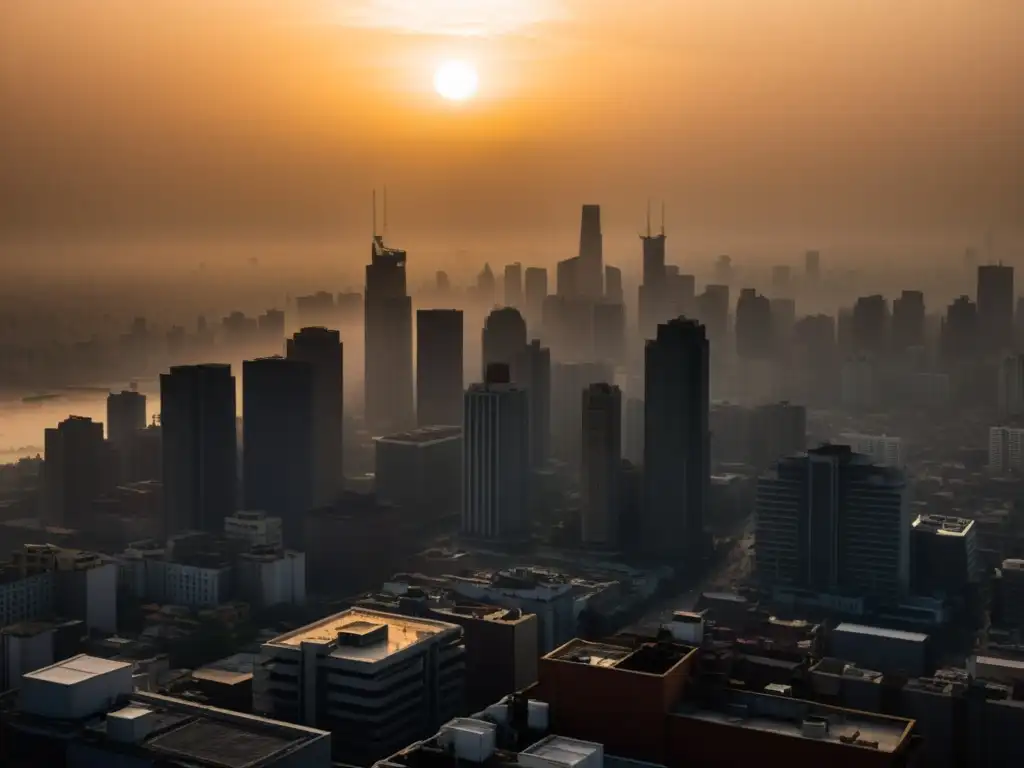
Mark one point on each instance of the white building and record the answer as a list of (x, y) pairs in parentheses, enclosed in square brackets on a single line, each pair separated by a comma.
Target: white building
[(257, 528), (884, 450), (496, 461), (377, 681), (271, 577), (1011, 386), (1006, 449)]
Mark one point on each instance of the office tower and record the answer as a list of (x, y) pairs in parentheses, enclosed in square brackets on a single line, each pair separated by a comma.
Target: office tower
[(677, 447), (633, 444), (943, 556), (322, 349), (908, 321), (812, 266), (441, 282), (200, 447), (504, 336), (723, 270), (780, 279), (358, 650), (754, 335), (832, 522), (75, 471), (514, 285), (486, 286), (1011, 386), (567, 278), (883, 450), (613, 285), (278, 433), (681, 291), (995, 306), (568, 380), (126, 415), (602, 464), (713, 312), (536, 290), (496, 458), (1006, 449), (439, 367), (653, 293), (590, 269), (870, 325), (777, 430), (420, 471), (609, 327), (271, 326), (533, 371), (388, 371), (959, 335)]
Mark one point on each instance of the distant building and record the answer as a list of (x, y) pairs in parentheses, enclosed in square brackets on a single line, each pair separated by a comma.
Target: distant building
[(943, 556), (256, 528), (408, 676), (602, 464), (421, 470), (514, 285), (504, 337), (884, 450), (126, 415), (1011, 386), (267, 576), (439, 367), (995, 298), (1006, 449), (76, 471)]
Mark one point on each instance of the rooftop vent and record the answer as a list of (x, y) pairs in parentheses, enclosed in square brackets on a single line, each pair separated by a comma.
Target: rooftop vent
[(814, 727), (362, 633)]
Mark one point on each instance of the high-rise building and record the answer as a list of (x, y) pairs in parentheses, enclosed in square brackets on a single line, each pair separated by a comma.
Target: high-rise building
[(126, 416), (496, 458), (568, 380), (532, 370), (754, 334), (995, 306), (812, 266), (870, 328), (723, 270), (75, 471), (590, 268), (613, 285), (1011, 386), (959, 336), (200, 447), (943, 556), (278, 437), (677, 441), (486, 286), (536, 290), (322, 349), (1006, 449), (653, 293), (567, 278), (504, 337), (602, 465), (831, 521), (439, 367), (883, 450), (908, 321), (388, 336), (712, 309), (514, 285)]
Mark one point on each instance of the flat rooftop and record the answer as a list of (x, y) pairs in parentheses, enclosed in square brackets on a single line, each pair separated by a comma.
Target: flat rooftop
[(649, 658), (892, 634), (77, 669), (563, 751), (941, 525), (398, 634), (422, 436)]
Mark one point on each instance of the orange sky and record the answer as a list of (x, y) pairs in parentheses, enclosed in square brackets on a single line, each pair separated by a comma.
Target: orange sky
[(771, 118)]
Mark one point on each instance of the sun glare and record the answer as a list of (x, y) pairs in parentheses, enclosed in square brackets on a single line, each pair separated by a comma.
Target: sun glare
[(456, 80)]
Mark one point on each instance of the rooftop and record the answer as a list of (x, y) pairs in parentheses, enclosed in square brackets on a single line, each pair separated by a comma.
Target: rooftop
[(563, 751), (422, 436), (892, 634), (373, 635), (942, 525), (76, 670), (649, 658)]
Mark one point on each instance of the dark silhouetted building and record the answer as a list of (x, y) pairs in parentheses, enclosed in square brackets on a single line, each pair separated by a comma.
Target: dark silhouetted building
[(278, 436), (995, 306), (322, 349), (126, 415), (439, 367), (200, 447), (755, 339), (602, 464), (613, 285), (533, 371), (960, 332), (677, 442), (870, 329), (421, 471), (590, 268), (535, 290), (514, 285), (75, 471), (943, 556), (812, 266), (504, 337)]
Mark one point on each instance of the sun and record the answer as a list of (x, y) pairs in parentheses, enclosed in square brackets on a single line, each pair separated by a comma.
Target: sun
[(456, 80)]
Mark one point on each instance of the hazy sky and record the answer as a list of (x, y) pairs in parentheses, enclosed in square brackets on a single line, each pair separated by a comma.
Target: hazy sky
[(795, 119)]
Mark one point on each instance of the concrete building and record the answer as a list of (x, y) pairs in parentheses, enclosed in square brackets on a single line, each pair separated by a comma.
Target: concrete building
[(1011, 386), (1006, 450), (496, 458), (1011, 594), (421, 470), (256, 528), (31, 645), (267, 577), (889, 651), (883, 450), (83, 712), (75, 471), (602, 464), (23, 598), (126, 416), (943, 556), (377, 681)]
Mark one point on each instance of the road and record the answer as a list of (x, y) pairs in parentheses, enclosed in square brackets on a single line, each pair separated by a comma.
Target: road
[(732, 569)]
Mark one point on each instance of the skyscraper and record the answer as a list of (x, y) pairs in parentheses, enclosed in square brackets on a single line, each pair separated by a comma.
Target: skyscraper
[(613, 285), (388, 333), (677, 442), (812, 266), (755, 338), (514, 285), (568, 380), (653, 293), (536, 290), (74, 471), (126, 415), (504, 337), (908, 321), (322, 349), (870, 329), (200, 447), (830, 521), (439, 367), (278, 467), (532, 370), (496, 458), (590, 272), (602, 465), (995, 306)]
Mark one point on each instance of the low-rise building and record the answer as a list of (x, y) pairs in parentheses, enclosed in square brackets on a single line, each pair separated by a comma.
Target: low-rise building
[(255, 528)]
